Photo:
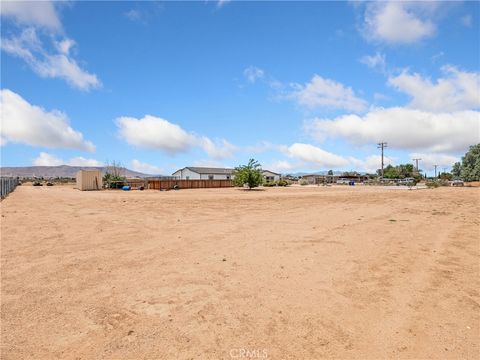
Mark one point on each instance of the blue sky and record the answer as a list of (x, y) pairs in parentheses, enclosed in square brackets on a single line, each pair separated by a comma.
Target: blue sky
[(304, 86)]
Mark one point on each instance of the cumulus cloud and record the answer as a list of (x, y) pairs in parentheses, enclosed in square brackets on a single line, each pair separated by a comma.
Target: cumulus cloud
[(371, 163), (38, 13), (46, 159), (145, 168), (29, 124), (154, 133), (403, 129), (326, 93), (398, 22), (157, 133), (314, 155), (252, 74), (429, 159), (376, 61), (81, 161), (221, 149), (456, 91), (309, 157), (28, 47)]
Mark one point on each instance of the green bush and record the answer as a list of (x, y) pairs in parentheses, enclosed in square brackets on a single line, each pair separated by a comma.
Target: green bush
[(283, 183), (432, 184), (269, 184), (250, 174), (303, 182)]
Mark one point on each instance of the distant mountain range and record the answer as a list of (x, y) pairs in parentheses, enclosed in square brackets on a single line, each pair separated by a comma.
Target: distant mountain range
[(61, 171)]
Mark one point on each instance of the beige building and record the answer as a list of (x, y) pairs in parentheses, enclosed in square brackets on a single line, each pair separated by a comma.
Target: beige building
[(89, 180)]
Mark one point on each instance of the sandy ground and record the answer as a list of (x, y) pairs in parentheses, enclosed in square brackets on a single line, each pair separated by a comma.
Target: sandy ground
[(296, 273)]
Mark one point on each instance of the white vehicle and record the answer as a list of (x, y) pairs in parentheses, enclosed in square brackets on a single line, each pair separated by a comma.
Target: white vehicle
[(457, 183)]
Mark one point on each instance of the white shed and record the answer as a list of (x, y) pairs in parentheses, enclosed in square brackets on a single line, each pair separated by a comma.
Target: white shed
[(89, 180)]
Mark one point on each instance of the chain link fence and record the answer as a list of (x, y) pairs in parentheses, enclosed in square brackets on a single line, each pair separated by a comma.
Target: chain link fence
[(7, 185)]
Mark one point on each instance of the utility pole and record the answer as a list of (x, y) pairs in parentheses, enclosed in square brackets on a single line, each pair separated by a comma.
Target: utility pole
[(382, 145), (435, 166), (416, 163)]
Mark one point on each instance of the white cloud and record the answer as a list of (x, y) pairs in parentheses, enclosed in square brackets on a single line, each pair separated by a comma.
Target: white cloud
[(376, 61), (403, 129), (283, 166), (314, 155), (81, 161), (467, 20), (145, 168), (221, 149), (221, 3), (252, 74), (46, 159), (32, 125), (456, 91), (399, 22), (28, 47), (134, 15), (35, 13), (156, 133), (371, 163), (428, 160), (326, 93), (65, 45)]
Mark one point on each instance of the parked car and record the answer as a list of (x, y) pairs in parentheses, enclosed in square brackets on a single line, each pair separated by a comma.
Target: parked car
[(457, 183)]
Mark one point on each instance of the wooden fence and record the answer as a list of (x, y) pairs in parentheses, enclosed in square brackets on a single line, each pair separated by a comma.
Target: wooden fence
[(7, 185), (188, 184)]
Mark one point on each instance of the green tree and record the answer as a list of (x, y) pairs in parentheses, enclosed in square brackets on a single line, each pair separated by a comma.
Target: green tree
[(113, 177), (330, 172), (250, 174), (456, 169), (470, 168), (445, 176)]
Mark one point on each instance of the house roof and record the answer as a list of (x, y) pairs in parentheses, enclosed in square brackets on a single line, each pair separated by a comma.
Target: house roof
[(208, 170), (271, 172)]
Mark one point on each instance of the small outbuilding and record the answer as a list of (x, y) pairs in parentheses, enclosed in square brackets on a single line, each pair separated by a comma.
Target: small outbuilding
[(89, 180)]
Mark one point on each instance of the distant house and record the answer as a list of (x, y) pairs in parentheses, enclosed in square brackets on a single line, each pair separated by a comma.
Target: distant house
[(203, 173), (270, 176)]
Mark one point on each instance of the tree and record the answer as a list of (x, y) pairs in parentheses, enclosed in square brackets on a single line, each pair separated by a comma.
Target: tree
[(470, 167), (445, 176), (330, 172), (456, 169), (250, 174), (113, 175)]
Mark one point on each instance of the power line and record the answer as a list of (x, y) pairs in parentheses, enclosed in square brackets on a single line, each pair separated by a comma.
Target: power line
[(435, 166), (416, 162), (382, 145)]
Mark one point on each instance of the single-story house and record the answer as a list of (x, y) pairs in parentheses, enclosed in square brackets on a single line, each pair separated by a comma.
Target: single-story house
[(270, 176), (203, 173)]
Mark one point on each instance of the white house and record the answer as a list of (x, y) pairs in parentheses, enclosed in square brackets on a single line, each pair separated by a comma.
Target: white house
[(270, 176), (203, 173)]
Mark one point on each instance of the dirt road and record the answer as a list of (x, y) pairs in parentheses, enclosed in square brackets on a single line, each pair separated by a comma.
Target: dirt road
[(296, 273)]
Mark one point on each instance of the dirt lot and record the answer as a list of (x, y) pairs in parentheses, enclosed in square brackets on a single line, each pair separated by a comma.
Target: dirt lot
[(296, 273)]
